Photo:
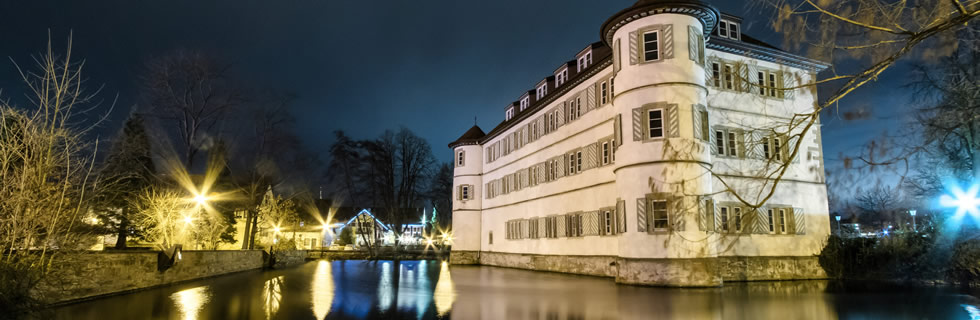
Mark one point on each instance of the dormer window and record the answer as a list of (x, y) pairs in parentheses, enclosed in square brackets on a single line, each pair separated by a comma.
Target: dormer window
[(525, 102), (584, 61), (728, 29), (510, 111), (561, 77), (542, 91)]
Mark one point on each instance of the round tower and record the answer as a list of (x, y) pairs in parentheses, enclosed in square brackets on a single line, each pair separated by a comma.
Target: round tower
[(467, 196), (663, 160)]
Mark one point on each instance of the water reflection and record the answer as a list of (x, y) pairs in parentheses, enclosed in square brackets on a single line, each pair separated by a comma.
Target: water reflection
[(322, 289), (430, 290), (190, 301), (444, 294), (272, 296)]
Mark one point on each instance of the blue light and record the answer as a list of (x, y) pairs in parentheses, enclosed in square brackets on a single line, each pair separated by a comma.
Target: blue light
[(964, 201)]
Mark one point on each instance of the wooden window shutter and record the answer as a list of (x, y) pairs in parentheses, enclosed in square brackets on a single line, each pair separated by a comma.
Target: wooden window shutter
[(760, 221), (634, 48), (799, 221), (560, 226), (696, 116), (692, 43), (740, 142), (787, 80), (590, 156), (638, 124), (617, 59), (668, 41), (641, 214), (672, 122), (620, 216), (459, 192), (560, 115), (618, 130), (717, 222)]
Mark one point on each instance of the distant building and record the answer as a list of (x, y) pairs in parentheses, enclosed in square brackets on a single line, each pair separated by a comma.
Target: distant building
[(610, 165)]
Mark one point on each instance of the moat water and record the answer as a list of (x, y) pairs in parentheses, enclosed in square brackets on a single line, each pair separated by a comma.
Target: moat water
[(434, 290)]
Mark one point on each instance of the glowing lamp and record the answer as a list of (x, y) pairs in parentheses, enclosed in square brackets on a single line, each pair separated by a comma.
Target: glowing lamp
[(837, 217), (912, 212), (276, 229), (188, 220), (201, 199), (963, 201)]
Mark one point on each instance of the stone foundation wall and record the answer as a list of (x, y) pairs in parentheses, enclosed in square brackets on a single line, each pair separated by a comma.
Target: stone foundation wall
[(703, 272), (603, 266), (283, 259), (770, 268), (90, 275)]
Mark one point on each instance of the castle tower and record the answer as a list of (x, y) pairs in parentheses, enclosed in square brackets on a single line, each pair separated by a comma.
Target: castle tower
[(467, 195), (664, 154)]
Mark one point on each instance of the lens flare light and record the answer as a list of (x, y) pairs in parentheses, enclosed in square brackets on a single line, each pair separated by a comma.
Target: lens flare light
[(965, 202)]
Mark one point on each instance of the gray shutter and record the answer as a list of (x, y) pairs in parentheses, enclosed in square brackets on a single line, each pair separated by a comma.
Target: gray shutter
[(560, 115), (740, 142), (634, 48), (591, 97), (702, 215), (709, 210), (542, 230), (638, 124), (743, 76), (668, 43), (718, 225), (561, 225), (789, 81), (696, 115), (560, 169), (590, 223), (673, 121), (617, 59), (760, 224), (620, 216), (754, 145), (692, 43), (799, 219), (641, 215), (618, 128), (459, 192), (753, 79), (590, 156), (677, 221)]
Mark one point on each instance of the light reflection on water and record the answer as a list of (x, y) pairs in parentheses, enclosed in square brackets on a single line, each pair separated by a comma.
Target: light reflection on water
[(404, 290)]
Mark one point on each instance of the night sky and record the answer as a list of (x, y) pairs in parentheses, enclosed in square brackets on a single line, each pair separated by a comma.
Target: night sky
[(366, 66)]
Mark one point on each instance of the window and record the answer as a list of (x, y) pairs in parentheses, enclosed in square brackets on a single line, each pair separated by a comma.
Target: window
[(525, 102), (460, 157), (510, 112), (612, 155), (561, 77), (762, 83), (651, 49), (605, 153), (572, 225), (542, 91), (728, 29), (731, 144), (607, 217), (724, 218), (772, 84), (729, 77), (782, 220), (777, 149), (465, 190), (578, 164), (584, 61), (727, 142), (578, 107), (533, 228), (737, 216), (716, 74), (772, 225), (658, 210), (603, 92), (571, 164), (656, 121)]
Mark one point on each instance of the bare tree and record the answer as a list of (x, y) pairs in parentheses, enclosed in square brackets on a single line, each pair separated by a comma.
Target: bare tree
[(193, 91), (45, 169), (874, 34), (399, 166)]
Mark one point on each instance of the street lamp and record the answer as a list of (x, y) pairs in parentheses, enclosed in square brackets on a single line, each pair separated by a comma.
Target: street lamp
[(837, 217), (912, 213)]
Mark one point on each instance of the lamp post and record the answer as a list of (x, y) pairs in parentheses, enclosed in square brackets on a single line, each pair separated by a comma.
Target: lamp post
[(837, 217), (912, 213)]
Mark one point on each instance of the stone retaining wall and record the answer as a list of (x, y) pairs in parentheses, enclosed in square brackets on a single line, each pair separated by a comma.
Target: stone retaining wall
[(284, 259), (94, 274), (703, 272)]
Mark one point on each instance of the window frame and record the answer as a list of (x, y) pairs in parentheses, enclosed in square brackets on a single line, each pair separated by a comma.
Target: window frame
[(605, 152), (649, 121), (723, 215), (460, 158), (509, 114), (465, 192), (653, 210), (644, 51), (603, 91), (716, 74)]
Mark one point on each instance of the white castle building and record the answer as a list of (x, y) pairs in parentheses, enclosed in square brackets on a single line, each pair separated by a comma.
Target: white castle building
[(623, 162)]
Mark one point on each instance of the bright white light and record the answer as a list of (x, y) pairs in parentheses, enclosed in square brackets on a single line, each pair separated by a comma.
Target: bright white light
[(201, 199), (188, 220), (276, 229), (963, 201)]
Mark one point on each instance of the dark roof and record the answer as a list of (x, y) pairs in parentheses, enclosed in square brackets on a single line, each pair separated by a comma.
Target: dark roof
[(748, 39), (706, 13), (471, 136)]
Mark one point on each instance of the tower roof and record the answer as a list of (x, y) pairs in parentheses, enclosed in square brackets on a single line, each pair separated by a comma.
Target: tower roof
[(702, 11), (472, 136)]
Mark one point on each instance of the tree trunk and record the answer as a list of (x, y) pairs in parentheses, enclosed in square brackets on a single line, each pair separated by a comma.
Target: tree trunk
[(247, 233), (255, 229), (122, 232)]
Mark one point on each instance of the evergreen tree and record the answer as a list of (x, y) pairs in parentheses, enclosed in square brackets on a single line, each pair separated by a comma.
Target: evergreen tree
[(127, 171)]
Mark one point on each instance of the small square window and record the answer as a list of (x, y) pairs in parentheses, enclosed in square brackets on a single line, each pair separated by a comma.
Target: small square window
[(651, 47), (656, 122)]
